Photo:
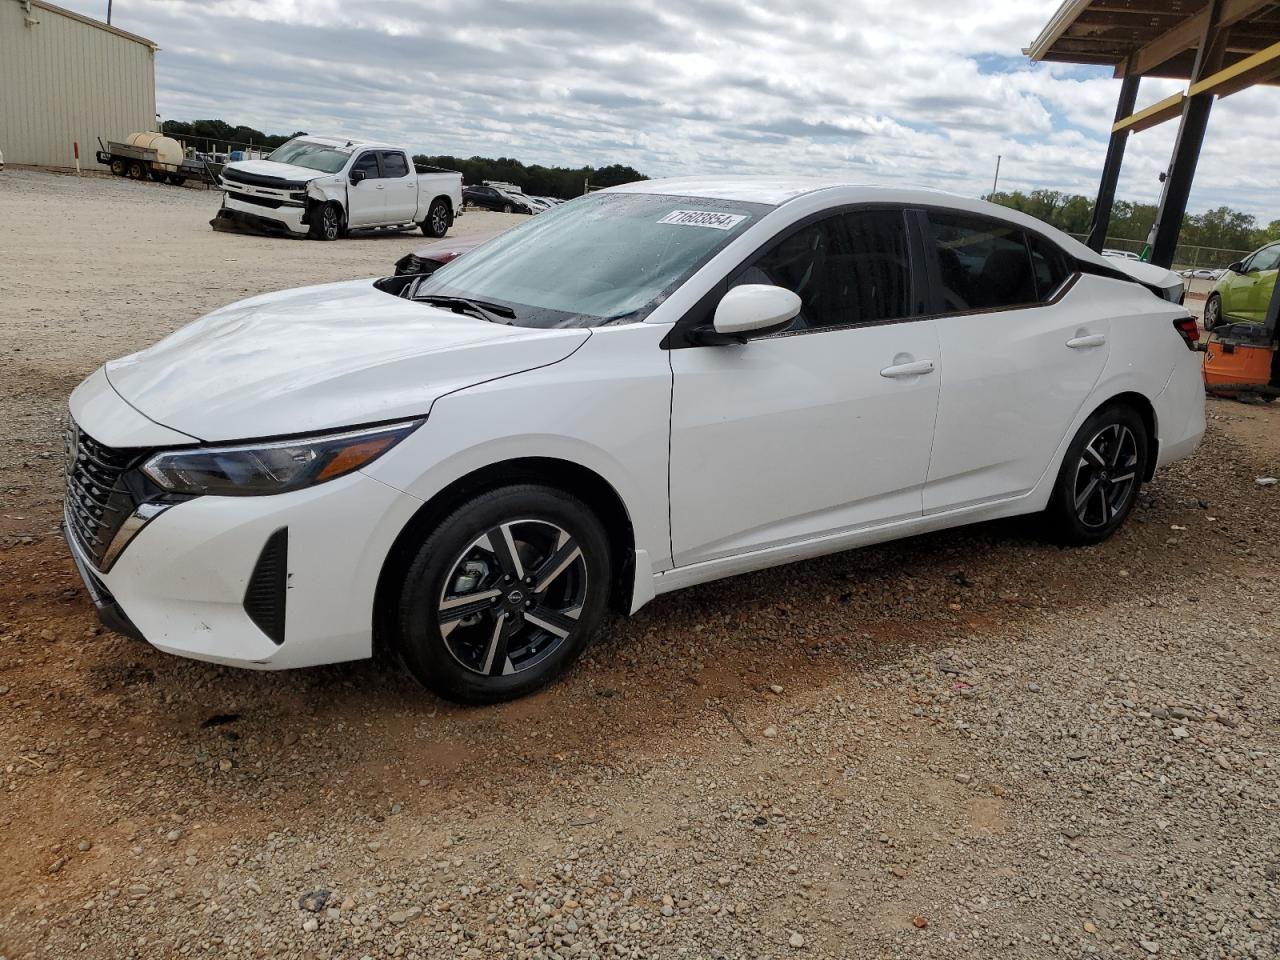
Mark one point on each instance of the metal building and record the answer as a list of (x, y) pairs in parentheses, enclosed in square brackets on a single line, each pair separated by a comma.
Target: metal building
[(67, 78)]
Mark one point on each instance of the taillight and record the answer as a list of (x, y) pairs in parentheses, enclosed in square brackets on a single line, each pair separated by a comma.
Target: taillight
[(1189, 330)]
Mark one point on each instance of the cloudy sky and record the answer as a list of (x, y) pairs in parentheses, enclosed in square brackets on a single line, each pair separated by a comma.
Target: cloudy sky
[(915, 91)]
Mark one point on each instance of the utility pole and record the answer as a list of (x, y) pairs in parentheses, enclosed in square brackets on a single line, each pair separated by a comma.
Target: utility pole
[(996, 181), (108, 11)]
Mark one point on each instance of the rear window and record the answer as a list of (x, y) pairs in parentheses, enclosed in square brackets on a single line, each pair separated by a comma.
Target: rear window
[(394, 165), (1049, 265), (983, 264)]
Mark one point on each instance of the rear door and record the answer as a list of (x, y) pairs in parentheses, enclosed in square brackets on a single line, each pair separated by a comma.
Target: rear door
[(823, 428), (1020, 357), (400, 193), (365, 205)]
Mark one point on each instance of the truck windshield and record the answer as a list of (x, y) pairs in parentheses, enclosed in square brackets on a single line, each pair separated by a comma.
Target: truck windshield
[(603, 258), (314, 156)]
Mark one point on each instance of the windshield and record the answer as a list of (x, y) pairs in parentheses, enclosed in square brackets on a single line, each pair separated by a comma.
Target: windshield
[(602, 258), (314, 156)]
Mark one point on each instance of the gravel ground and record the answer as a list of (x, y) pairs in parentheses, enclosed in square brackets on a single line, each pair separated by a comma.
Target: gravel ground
[(962, 745)]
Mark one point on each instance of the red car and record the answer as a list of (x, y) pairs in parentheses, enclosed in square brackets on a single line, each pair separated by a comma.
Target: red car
[(433, 256)]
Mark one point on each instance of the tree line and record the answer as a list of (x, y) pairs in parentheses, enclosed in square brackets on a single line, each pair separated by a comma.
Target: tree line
[(1221, 227), (534, 179), (221, 133)]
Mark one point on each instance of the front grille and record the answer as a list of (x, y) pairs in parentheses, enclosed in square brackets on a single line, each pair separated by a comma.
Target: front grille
[(271, 202), (97, 499), (259, 180)]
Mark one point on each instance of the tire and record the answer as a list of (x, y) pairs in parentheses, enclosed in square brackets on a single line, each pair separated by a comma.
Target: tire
[(326, 222), (177, 180), (159, 176), (437, 222), (137, 171), (506, 208), (515, 638), (118, 167), (1101, 473), (1212, 311)]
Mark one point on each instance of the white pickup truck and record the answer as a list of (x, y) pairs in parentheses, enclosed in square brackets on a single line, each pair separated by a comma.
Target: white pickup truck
[(323, 186)]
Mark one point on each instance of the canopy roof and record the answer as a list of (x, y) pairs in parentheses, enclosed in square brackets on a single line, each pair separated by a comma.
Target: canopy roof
[(1155, 38)]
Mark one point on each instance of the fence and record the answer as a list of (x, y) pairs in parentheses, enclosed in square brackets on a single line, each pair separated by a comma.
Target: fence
[(1185, 257)]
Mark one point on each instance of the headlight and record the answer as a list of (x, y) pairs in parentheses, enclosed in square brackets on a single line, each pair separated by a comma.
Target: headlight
[(264, 468)]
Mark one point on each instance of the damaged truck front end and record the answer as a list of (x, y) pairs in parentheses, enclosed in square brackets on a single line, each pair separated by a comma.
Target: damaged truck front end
[(275, 206)]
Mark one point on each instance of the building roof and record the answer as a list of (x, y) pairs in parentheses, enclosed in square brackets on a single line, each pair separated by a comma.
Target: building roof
[(72, 15), (1154, 39)]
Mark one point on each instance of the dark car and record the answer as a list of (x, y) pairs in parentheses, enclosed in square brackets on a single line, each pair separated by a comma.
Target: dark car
[(433, 256), (491, 198)]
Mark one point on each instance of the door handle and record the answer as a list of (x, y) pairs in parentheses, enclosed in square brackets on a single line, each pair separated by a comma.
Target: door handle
[(1087, 341), (379, 187), (916, 368)]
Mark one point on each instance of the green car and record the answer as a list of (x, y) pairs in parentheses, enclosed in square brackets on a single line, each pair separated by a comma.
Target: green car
[(1244, 291)]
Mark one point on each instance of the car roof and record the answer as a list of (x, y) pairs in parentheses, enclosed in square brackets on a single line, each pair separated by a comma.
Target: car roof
[(777, 191), (354, 142)]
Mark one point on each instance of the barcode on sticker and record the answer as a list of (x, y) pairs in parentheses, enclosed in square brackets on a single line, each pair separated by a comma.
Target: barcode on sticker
[(704, 218)]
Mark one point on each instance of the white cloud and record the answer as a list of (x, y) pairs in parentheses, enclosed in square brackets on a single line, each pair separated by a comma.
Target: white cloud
[(920, 91)]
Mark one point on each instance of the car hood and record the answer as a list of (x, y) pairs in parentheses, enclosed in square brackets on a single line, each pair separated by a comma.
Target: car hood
[(270, 168), (322, 357)]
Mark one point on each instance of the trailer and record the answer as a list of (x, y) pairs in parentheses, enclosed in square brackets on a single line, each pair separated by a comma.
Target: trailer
[(151, 155)]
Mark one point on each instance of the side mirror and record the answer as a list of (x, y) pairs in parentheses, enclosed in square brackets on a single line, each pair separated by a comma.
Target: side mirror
[(356, 176), (755, 308), (1237, 267)]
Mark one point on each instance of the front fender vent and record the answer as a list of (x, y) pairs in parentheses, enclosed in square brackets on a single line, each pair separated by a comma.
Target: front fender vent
[(264, 597)]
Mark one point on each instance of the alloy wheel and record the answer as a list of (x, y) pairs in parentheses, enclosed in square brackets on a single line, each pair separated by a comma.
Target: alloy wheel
[(439, 219), (329, 223), (512, 597), (1106, 475), (1211, 314)]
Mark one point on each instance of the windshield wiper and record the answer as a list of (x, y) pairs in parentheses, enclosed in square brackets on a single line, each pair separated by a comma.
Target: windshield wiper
[(487, 310)]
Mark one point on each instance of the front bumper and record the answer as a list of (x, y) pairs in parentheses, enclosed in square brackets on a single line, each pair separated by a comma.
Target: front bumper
[(183, 583), (239, 217)]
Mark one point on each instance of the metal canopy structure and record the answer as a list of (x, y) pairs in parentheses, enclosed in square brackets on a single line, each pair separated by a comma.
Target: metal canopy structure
[(1219, 47)]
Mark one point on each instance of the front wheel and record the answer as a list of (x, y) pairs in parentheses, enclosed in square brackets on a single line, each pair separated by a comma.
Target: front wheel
[(1100, 476), (118, 167), (1212, 311), (437, 222), (504, 594), (326, 222)]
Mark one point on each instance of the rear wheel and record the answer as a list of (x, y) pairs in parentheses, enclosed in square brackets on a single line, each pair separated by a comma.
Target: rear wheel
[(326, 222), (437, 222), (506, 208), (504, 594), (1100, 476), (137, 171), (1212, 311)]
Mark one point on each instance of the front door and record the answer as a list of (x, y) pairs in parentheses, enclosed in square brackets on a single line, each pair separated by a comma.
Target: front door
[(365, 204), (1021, 359), (818, 430)]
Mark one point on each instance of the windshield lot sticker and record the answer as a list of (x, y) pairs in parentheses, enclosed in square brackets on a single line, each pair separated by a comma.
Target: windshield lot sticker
[(703, 218)]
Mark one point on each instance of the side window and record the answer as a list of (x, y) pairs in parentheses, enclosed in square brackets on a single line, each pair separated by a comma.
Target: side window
[(875, 277), (394, 165), (1049, 265), (984, 264), (367, 164), (1267, 258), (798, 263), (849, 268)]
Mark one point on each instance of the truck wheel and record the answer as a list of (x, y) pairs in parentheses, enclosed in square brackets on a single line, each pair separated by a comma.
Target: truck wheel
[(118, 167), (326, 222), (437, 222), (137, 171)]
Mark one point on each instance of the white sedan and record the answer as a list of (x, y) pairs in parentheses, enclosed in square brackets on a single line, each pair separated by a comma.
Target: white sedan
[(648, 387)]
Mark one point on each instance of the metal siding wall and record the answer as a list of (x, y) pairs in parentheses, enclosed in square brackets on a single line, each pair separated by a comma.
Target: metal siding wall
[(64, 81)]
